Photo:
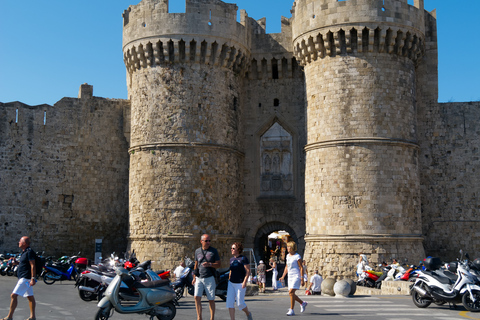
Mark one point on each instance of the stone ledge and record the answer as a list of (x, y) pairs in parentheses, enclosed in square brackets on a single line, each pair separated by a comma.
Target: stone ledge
[(388, 288)]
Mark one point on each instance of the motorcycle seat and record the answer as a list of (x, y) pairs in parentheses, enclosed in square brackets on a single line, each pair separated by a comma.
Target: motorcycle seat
[(440, 277), (151, 284)]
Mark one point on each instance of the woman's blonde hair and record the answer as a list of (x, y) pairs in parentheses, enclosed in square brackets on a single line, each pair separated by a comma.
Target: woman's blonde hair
[(292, 244)]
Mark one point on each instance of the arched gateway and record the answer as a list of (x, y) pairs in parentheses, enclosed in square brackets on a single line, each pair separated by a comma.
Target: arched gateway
[(261, 238)]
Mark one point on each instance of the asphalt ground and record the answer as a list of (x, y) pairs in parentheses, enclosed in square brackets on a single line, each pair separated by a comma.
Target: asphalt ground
[(61, 301)]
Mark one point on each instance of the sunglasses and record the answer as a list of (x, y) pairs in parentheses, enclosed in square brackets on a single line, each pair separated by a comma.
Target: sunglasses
[(206, 240)]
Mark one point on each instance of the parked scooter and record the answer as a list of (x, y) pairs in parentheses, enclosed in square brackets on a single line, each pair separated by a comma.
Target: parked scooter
[(11, 264), (185, 280), (433, 285), (93, 282), (155, 297), (3, 265), (59, 272)]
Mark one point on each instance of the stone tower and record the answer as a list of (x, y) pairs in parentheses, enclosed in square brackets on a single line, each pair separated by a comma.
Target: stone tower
[(362, 188), (184, 73)]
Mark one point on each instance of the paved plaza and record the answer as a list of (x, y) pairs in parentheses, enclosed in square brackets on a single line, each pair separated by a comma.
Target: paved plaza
[(61, 301)]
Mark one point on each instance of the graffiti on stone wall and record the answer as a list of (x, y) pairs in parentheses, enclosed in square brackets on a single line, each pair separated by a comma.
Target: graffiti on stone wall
[(276, 162), (346, 202)]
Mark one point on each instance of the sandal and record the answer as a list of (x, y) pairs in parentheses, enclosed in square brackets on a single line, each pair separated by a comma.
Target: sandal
[(7, 318), (30, 318)]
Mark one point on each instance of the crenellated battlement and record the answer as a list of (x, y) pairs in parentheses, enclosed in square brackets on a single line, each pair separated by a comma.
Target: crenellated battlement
[(208, 32), (194, 50), (317, 14), (330, 27), (360, 38)]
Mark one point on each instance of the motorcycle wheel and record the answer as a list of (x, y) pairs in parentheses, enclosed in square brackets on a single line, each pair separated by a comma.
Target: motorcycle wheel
[(86, 295), (3, 273), (101, 316), (179, 293), (469, 304), (172, 308), (49, 278), (419, 301), (10, 272), (224, 298)]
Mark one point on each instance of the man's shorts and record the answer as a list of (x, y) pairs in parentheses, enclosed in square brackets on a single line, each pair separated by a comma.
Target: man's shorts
[(261, 278), (207, 284), (23, 288)]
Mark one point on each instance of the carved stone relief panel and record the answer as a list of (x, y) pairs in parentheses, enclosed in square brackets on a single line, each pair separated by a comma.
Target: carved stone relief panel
[(276, 162)]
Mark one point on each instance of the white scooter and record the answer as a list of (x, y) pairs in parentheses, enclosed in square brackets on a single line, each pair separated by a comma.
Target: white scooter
[(155, 297), (434, 286)]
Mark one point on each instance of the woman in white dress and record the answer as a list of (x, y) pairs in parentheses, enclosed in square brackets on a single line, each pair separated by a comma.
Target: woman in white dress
[(295, 272), (273, 268)]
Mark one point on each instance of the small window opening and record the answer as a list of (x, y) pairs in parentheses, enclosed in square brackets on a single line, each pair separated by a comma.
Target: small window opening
[(235, 103), (259, 105), (16, 116), (274, 69), (276, 102), (44, 117)]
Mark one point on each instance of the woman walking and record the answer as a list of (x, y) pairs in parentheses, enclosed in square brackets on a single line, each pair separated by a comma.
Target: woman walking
[(237, 284), (273, 268), (295, 277)]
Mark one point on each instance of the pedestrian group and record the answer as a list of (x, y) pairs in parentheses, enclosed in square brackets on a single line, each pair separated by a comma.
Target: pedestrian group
[(207, 260)]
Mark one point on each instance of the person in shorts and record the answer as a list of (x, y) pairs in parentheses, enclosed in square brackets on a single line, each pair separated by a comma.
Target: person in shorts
[(237, 281), (295, 272), (26, 279), (207, 260), (261, 276)]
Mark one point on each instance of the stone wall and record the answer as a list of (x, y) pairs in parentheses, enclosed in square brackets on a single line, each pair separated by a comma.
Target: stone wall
[(449, 162), (64, 175)]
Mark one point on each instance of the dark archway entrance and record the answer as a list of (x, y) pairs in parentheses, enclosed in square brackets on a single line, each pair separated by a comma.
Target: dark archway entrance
[(261, 245)]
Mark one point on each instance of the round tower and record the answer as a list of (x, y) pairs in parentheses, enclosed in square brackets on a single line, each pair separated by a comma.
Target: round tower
[(362, 181), (184, 73)]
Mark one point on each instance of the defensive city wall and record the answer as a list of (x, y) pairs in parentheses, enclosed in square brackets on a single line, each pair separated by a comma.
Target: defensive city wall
[(330, 130)]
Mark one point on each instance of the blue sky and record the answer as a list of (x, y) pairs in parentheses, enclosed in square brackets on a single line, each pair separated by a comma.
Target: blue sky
[(48, 48)]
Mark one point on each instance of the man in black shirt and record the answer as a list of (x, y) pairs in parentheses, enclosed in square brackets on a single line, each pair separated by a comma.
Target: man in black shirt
[(26, 279)]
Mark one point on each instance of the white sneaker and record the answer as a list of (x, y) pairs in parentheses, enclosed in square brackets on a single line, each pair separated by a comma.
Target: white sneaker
[(303, 306), (290, 312)]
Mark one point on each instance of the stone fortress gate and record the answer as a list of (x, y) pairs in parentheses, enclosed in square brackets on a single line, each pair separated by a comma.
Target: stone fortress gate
[(329, 130)]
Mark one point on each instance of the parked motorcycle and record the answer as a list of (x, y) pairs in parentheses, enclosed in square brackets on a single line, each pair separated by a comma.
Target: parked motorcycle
[(93, 282), (58, 272), (155, 297), (440, 286), (11, 264), (185, 280), (368, 278)]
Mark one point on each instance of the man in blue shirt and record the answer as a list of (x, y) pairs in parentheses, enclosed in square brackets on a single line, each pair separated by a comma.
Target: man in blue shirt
[(26, 279)]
